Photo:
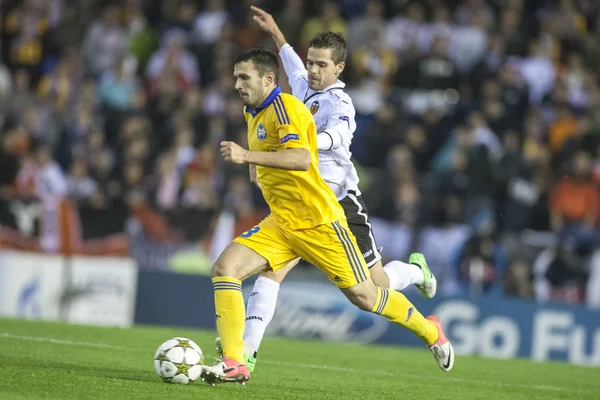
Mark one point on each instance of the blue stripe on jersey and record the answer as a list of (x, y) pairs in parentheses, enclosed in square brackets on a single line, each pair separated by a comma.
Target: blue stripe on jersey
[(286, 118), (335, 227), (278, 113), (361, 271)]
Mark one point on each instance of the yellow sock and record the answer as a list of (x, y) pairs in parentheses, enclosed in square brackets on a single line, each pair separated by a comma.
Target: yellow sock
[(230, 310), (396, 307)]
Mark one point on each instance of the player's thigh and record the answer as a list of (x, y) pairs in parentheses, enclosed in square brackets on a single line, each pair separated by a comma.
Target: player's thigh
[(378, 275), (332, 248), (280, 274), (270, 243), (239, 262), (358, 221)]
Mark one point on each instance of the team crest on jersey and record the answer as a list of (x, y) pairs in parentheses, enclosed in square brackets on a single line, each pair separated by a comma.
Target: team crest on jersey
[(314, 107), (261, 132)]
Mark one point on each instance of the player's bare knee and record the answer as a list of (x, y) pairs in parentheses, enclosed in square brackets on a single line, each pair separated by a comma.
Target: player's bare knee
[(367, 301), (362, 301), (221, 269), (379, 277), (363, 295)]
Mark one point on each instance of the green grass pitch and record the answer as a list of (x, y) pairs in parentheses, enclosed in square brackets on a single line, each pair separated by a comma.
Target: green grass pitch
[(42, 360)]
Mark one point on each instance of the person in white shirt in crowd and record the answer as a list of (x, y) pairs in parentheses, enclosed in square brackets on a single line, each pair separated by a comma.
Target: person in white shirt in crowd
[(51, 188), (318, 86)]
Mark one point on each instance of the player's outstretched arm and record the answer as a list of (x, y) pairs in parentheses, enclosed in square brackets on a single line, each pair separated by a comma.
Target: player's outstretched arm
[(268, 24), (294, 159)]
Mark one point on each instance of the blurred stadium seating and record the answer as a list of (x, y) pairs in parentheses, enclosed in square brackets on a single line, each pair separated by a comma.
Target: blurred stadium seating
[(478, 139)]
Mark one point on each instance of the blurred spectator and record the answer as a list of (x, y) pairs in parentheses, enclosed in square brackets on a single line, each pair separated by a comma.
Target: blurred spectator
[(481, 263), (518, 280), (469, 42), (117, 87), (329, 19), (374, 64), (105, 42), (209, 22), (364, 27), (575, 201), (172, 63), (558, 275), (437, 71), (80, 186), (290, 21), (538, 71), (403, 29)]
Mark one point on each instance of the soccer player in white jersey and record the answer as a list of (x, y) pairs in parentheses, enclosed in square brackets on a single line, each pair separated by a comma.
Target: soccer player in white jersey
[(318, 86)]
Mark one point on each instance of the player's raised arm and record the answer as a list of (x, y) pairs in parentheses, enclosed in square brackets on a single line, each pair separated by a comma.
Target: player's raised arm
[(292, 63)]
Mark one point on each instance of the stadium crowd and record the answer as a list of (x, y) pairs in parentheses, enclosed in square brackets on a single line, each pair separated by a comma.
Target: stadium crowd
[(478, 139)]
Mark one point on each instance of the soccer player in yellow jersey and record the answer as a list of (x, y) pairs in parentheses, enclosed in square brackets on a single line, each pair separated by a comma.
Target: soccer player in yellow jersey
[(306, 219)]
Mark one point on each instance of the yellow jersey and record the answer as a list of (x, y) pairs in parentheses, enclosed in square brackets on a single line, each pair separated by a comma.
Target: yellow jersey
[(298, 199)]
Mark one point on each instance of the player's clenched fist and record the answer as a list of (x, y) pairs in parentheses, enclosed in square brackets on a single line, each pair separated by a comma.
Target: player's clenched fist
[(234, 153)]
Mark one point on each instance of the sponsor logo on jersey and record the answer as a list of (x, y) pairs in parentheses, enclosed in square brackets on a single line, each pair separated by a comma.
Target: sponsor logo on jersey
[(261, 132), (314, 107), (288, 137)]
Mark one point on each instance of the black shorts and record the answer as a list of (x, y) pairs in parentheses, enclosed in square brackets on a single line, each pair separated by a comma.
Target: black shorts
[(358, 222)]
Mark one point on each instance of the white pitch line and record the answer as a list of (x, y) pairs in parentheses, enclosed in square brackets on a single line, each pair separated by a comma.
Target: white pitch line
[(60, 341), (7, 335)]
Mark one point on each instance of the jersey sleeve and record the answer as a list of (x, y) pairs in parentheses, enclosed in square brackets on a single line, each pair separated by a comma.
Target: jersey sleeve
[(291, 125), (340, 125), (295, 70)]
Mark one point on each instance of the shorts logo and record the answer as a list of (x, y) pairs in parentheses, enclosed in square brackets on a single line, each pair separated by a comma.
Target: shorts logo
[(261, 132), (314, 107), (337, 279), (288, 137), (368, 253)]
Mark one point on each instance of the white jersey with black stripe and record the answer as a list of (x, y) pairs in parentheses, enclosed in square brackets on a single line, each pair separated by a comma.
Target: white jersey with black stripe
[(334, 114)]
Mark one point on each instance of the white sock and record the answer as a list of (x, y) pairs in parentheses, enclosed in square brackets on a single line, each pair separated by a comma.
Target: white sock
[(260, 311), (403, 274)]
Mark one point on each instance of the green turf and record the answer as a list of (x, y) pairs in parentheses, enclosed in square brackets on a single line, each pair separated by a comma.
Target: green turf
[(54, 361)]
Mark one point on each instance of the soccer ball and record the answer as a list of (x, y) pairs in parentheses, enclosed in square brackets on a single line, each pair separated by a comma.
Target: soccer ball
[(178, 360)]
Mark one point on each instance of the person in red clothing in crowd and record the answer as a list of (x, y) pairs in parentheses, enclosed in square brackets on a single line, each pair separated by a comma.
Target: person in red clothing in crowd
[(575, 202)]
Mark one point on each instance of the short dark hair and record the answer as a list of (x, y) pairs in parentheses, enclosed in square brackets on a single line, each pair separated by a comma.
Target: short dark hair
[(331, 40), (264, 61)]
